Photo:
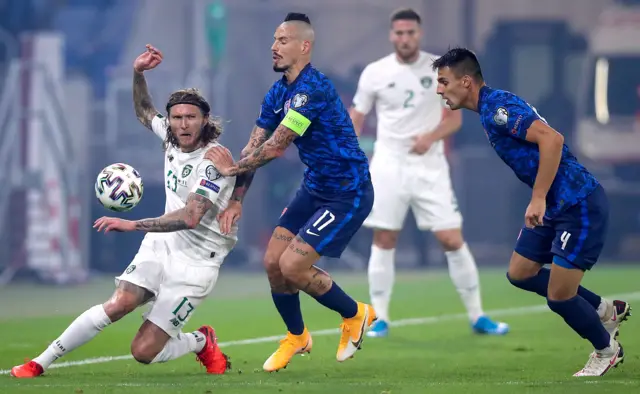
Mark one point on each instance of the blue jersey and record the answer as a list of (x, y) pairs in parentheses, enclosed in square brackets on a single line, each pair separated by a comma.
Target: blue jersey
[(328, 146), (506, 118)]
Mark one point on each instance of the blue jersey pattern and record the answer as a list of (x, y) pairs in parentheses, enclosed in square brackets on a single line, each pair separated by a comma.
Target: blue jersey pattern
[(329, 148), (506, 118)]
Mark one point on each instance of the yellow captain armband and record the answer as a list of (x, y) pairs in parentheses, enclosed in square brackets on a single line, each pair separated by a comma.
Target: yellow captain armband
[(296, 122)]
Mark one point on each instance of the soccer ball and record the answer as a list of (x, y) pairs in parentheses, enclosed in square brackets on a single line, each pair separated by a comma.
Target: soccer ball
[(119, 187)]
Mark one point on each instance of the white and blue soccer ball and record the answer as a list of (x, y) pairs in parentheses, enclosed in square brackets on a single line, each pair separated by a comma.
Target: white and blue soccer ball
[(119, 187)]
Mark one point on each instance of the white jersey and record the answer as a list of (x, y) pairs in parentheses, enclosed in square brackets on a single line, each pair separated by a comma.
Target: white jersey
[(405, 100), (187, 173)]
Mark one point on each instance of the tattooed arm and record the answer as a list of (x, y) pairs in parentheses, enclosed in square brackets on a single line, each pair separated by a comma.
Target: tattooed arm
[(243, 181), (182, 219), (145, 111), (274, 147)]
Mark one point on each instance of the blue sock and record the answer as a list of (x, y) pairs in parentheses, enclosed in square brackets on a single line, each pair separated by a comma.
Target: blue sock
[(336, 299), (584, 320), (539, 284), (289, 307)]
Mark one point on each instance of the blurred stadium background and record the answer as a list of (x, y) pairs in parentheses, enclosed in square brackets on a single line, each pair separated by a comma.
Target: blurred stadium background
[(66, 112)]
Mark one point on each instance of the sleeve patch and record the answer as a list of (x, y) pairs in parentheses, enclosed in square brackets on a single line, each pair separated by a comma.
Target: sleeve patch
[(299, 100), (501, 117), (209, 185), (211, 173), (296, 122)]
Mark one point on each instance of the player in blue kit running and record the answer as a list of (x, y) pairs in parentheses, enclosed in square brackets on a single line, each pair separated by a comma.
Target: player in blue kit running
[(566, 220), (333, 201)]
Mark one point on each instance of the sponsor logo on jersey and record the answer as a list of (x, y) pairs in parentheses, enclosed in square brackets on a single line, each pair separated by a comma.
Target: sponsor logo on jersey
[(209, 185)]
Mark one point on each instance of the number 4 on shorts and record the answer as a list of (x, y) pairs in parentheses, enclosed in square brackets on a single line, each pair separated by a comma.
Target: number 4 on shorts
[(564, 238)]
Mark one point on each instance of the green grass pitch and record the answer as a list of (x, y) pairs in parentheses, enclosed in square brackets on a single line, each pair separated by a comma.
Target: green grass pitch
[(432, 350)]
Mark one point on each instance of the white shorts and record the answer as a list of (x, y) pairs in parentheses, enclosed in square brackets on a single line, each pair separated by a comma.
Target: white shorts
[(403, 181), (179, 285)]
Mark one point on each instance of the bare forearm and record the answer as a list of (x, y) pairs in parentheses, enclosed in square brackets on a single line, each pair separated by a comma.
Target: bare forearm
[(181, 219), (143, 104), (258, 158), (550, 156), (170, 222), (274, 147), (243, 182), (357, 119), (449, 125)]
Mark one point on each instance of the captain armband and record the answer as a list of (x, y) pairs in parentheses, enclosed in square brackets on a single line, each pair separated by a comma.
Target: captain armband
[(296, 122)]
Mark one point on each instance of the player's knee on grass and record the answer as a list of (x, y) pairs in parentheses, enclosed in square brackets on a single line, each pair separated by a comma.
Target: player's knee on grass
[(451, 240), (148, 342), (385, 239), (125, 300)]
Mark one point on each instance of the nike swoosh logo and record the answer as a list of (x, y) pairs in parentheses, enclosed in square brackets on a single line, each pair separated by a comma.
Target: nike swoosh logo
[(312, 233), (362, 328), (276, 111)]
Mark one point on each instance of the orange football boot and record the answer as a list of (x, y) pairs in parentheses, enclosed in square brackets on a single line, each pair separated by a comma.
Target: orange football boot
[(354, 330), (289, 347)]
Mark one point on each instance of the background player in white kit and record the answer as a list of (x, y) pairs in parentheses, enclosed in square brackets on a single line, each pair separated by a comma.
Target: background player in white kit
[(409, 169), (177, 264)]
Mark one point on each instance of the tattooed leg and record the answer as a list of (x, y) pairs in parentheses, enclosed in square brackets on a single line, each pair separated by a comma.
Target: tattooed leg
[(285, 295), (279, 242), (297, 265)]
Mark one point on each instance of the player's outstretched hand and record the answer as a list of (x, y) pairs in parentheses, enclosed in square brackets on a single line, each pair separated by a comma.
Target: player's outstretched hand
[(221, 159), (535, 212), (229, 216), (148, 60), (114, 224)]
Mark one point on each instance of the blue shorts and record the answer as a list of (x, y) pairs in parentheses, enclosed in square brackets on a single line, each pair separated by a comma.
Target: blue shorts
[(574, 239), (327, 223)]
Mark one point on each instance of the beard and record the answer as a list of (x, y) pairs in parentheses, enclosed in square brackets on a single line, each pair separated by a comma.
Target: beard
[(280, 69), (406, 55)]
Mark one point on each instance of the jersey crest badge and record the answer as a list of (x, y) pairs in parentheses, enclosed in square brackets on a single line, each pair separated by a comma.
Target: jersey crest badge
[(186, 170), (501, 116), (426, 82)]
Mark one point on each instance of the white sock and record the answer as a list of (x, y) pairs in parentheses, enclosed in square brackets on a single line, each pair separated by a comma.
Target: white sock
[(464, 275), (81, 331), (381, 278), (192, 342)]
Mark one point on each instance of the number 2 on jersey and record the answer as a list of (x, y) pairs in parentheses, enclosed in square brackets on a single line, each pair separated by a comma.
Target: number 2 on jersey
[(408, 101), (172, 181)]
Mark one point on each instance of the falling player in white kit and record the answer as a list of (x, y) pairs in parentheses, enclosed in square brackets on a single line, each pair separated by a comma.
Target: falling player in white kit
[(177, 264), (409, 169)]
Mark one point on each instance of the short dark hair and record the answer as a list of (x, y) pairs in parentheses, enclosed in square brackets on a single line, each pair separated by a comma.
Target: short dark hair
[(297, 16), (210, 132), (461, 61), (405, 14)]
